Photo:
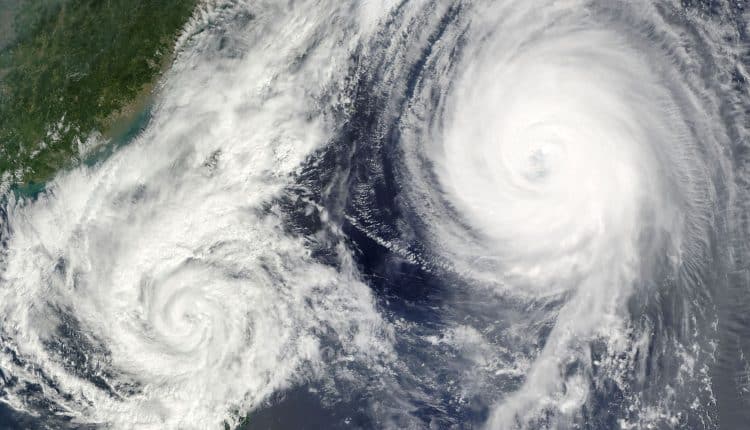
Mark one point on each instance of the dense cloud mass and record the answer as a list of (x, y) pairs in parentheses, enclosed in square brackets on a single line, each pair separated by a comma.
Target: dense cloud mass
[(480, 214)]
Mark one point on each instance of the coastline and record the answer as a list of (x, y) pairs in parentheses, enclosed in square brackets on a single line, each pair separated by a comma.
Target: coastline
[(79, 80)]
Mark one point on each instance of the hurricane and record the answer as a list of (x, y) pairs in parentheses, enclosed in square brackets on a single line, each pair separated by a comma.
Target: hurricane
[(403, 214)]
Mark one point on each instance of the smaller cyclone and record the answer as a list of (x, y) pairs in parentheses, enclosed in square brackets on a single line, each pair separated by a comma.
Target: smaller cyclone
[(186, 316), (179, 329), (161, 288)]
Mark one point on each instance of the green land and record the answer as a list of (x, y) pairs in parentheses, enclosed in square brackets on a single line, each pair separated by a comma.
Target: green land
[(70, 68)]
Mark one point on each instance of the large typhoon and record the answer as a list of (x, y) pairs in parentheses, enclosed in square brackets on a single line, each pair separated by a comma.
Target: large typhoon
[(502, 214)]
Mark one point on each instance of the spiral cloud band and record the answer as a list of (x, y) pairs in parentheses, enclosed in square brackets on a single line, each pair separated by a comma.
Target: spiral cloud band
[(155, 290), (453, 214), (564, 150)]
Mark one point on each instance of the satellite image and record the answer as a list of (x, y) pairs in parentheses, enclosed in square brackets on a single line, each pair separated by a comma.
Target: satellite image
[(375, 214)]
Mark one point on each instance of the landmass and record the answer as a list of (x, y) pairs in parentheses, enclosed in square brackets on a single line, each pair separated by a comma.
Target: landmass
[(71, 70)]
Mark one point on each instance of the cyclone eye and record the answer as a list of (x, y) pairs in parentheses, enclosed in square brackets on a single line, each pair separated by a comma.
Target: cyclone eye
[(538, 164)]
